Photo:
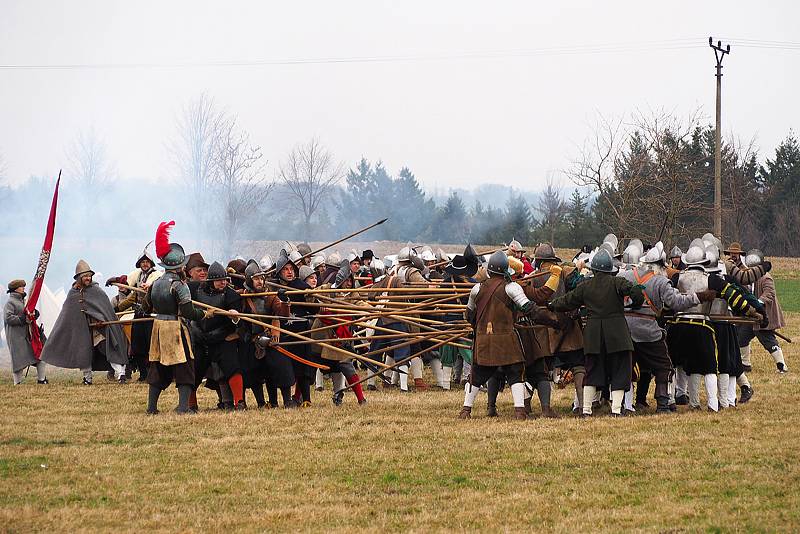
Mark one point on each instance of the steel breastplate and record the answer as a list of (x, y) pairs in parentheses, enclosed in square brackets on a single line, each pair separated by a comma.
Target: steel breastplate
[(692, 281), (161, 297)]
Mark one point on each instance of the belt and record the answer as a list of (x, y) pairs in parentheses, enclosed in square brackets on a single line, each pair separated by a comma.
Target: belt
[(166, 317)]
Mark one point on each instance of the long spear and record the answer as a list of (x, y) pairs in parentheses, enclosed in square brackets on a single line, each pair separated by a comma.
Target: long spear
[(345, 238), (399, 363)]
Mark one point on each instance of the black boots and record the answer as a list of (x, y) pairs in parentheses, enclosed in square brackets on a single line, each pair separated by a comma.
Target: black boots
[(152, 399)]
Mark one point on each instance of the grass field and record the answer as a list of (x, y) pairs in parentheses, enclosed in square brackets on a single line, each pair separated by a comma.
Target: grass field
[(77, 458)]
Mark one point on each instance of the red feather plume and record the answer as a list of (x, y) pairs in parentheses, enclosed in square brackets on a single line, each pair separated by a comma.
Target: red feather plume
[(162, 238)]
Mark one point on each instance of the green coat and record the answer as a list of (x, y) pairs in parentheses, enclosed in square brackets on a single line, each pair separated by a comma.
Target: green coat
[(603, 296)]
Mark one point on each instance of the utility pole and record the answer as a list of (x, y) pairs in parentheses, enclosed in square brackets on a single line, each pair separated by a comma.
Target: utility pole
[(719, 53)]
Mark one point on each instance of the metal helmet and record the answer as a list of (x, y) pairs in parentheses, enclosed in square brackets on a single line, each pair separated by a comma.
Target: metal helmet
[(659, 245), (754, 257), (709, 239), (333, 259), (608, 247), (82, 268), (316, 261), (295, 256), (353, 256), (427, 254), (343, 274), (545, 252), (266, 262), (515, 246), (304, 249), (653, 256), (405, 253), (695, 256), (611, 238), (145, 256), (441, 256), (283, 259), (697, 243), (252, 269), (289, 247), (378, 267), (636, 242), (174, 259), (712, 253), (498, 263), (305, 272), (217, 272), (418, 262), (676, 252), (602, 261), (632, 254)]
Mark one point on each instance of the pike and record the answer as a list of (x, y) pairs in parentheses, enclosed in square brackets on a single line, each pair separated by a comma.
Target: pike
[(123, 321), (220, 311), (397, 364), (345, 238)]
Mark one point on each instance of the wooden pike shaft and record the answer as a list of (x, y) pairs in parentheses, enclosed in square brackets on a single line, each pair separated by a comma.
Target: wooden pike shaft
[(270, 327), (398, 363), (123, 321), (397, 335), (345, 238), (368, 289)]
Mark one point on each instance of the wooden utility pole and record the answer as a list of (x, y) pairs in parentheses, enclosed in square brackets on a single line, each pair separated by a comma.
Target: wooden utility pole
[(719, 53)]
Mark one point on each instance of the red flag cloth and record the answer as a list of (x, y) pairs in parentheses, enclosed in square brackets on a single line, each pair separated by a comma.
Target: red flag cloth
[(38, 279)]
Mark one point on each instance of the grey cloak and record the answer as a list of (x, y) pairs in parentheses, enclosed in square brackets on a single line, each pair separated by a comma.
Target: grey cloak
[(17, 334), (70, 342)]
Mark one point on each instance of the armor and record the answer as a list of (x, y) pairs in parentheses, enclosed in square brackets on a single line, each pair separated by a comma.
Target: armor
[(343, 274), (694, 280), (712, 255), (175, 258), (695, 256), (316, 261), (295, 257), (632, 254), (613, 241), (145, 256), (217, 272), (334, 259), (498, 263), (252, 269), (602, 262), (608, 247), (305, 272), (441, 256), (697, 243), (304, 249), (353, 256), (515, 246), (545, 252), (405, 253), (676, 252), (638, 244), (517, 295), (283, 259), (82, 268), (168, 293), (754, 257), (653, 256), (266, 263), (427, 254), (378, 267)]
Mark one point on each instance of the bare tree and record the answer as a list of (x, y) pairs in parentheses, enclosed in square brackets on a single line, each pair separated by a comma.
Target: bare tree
[(309, 174), (551, 208), (193, 149), (89, 166), (239, 181)]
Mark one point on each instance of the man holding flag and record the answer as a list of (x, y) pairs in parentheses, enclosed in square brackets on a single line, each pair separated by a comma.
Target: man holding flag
[(18, 334)]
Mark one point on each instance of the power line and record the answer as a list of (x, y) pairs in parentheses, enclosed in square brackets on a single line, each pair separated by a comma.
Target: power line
[(667, 44)]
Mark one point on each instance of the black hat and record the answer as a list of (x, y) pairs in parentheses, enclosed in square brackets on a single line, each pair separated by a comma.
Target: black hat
[(367, 255), (461, 266)]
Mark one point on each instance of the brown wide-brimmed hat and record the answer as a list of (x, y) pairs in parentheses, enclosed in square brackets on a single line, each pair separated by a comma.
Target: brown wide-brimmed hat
[(15, 284), (735, 248), (195, 260)]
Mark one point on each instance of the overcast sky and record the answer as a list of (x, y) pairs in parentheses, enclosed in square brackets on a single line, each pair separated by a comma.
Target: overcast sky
[(511, 115)]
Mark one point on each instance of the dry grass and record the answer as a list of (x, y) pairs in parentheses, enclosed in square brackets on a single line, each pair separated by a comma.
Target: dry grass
[(74, 458)]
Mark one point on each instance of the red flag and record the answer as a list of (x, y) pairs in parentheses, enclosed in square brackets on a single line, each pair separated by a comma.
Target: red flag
[(38, 278)]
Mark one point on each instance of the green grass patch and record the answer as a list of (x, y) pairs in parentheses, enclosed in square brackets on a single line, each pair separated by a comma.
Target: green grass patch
[(788, 294)]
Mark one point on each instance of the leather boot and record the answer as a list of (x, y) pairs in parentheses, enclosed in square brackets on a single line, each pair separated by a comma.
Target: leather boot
[(549, 413), (519, 413), (662, 398), (420, 385), (465, 413), (491, 411), (528, 405)]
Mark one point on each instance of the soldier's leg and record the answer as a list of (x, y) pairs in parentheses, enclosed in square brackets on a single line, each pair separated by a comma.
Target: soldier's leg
[(578, 375), (515, 376), (438, 373), (619, 365), (731, 392), (769, 341), (681, 386), (722, 389), (492, 390), (745, 334), (694, 391), (318, 381), (18, 377), (41, 372), (479, 375), (712, 391), (416, 370), (87, 376), (642, 387)]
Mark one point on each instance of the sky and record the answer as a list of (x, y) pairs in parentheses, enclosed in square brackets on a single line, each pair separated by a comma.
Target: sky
[(463, 93)]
